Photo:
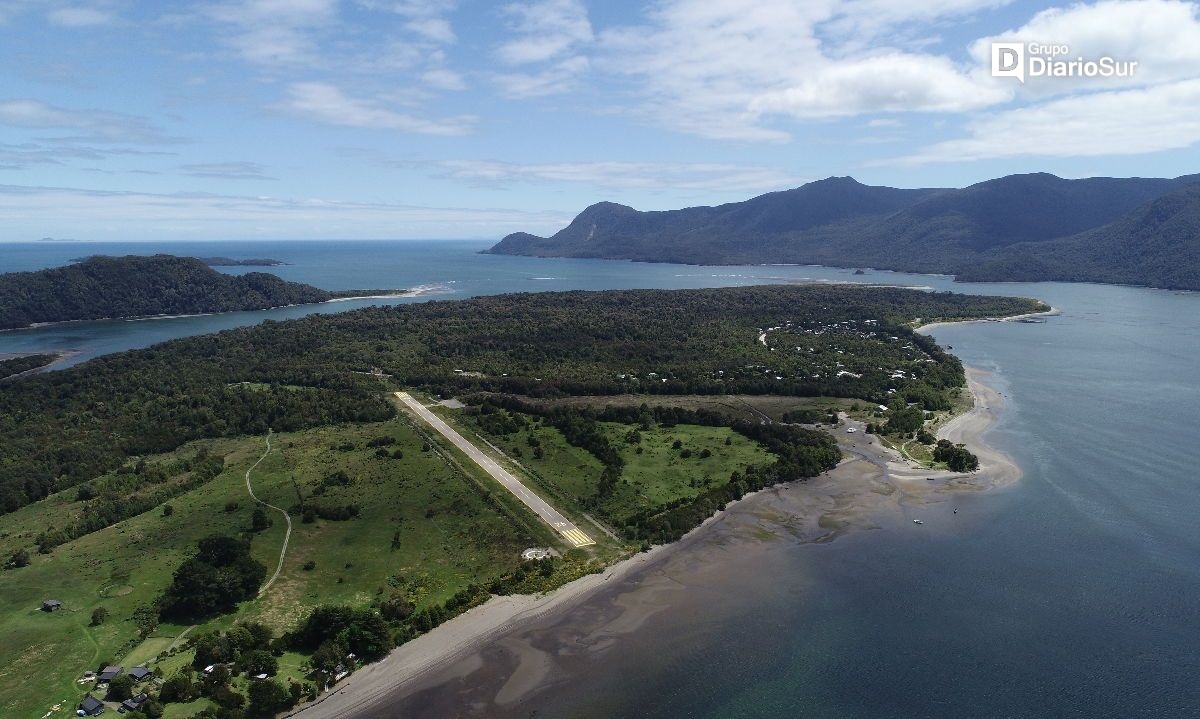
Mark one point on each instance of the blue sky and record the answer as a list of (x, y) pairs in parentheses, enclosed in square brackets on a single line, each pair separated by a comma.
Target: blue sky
[(255, 119)]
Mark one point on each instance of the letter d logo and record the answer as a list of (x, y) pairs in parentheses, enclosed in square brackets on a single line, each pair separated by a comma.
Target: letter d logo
[(1008, 60)]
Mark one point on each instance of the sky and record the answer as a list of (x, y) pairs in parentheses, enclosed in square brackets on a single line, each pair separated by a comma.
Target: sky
[(357, 119)]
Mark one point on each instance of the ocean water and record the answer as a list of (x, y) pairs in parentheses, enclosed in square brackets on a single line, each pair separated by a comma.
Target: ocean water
[(454, 268), (1073, 593)]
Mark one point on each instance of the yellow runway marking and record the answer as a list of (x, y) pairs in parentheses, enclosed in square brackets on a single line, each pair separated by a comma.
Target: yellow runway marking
[(577, 538)]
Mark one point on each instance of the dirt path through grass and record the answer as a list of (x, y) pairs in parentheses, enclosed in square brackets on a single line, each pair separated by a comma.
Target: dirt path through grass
[(287, 535)]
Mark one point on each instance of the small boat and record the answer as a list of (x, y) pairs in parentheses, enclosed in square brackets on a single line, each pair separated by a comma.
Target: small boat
[(917, 521)]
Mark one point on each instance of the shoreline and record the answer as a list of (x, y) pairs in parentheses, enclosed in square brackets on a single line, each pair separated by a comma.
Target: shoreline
[(866, 488), (59, 356), (926, 328), (418, 291)]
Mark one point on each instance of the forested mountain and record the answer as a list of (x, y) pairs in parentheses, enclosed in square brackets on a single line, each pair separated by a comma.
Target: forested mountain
[(63, 428), (1160, 240), (135, 286), (841, 222)]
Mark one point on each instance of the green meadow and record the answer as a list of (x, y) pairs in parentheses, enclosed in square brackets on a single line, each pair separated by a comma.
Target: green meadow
[(423, 528)]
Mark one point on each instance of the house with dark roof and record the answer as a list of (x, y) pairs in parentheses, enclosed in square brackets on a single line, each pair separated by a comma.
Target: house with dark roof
[(51, 605), (91, 706), (132, 703), (140, 673), (107, 674)]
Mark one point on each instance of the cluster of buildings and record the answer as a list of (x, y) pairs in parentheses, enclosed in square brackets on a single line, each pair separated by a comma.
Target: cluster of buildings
[(91, 706)]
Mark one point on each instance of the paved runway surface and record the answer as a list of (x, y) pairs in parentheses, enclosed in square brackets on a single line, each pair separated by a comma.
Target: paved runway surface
[(549, 514)]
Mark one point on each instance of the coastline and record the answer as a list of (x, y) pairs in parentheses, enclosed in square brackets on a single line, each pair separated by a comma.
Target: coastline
[(863, 491), (418, 291), (59, 356), (926, 328)]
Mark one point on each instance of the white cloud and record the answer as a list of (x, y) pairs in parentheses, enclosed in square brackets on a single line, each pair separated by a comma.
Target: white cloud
[(550, 36), (79, 16), (726, 68), (326, 103), (239, 170), (554, 79), (31, 212), (626, 175), (859, 23), (894, 82), (1124, 122), (275, 32), (1163, 36), (544, 30), (443, 79), (92, 125)]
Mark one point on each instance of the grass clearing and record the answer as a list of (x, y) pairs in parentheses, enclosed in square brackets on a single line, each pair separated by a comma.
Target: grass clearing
[(423, 528)]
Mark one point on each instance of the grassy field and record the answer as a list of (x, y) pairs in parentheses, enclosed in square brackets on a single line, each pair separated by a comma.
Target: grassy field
[(423, 529), (661, 473), (657, 474), (427, 523)]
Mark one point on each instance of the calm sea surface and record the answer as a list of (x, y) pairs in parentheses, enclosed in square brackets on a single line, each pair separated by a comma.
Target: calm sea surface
[(1075, 593)]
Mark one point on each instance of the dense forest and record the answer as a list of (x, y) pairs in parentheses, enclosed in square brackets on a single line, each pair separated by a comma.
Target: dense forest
[(1014, 228), (65, 428), (138, 286)]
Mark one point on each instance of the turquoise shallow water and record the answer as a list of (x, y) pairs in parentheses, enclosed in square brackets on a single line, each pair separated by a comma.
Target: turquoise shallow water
[(1075, 593)]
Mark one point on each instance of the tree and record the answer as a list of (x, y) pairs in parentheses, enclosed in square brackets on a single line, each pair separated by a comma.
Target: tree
[(120, 688), (259, 661), (220, 575), (167, 510), (267, 698), (259, 520), (99, 614), (178, 688), (19, 558), (328, 655)]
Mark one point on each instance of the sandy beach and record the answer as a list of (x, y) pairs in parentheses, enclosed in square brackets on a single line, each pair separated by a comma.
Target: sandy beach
[(493, 658), (925, 328)]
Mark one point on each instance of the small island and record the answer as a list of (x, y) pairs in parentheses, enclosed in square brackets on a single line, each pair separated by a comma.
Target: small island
[(102, 287)]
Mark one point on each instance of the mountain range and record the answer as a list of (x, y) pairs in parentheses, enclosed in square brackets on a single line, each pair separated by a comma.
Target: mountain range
[(1031, 227)]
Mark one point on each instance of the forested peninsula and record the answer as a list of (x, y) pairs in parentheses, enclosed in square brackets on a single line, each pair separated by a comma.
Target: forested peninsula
[(103, 287), (839, 342)]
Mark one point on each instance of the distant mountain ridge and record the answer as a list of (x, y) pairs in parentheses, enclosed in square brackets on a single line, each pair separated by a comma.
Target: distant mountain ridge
[(1009, 228), (136, 286)]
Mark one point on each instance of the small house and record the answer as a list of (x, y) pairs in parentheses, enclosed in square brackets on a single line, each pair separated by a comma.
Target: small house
[(51, 605), (91, 706), (133, 703), (107, 674), (140, 673)]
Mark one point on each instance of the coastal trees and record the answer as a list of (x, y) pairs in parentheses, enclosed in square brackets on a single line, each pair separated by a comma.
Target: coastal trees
[(362, 631), (957, 457)]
